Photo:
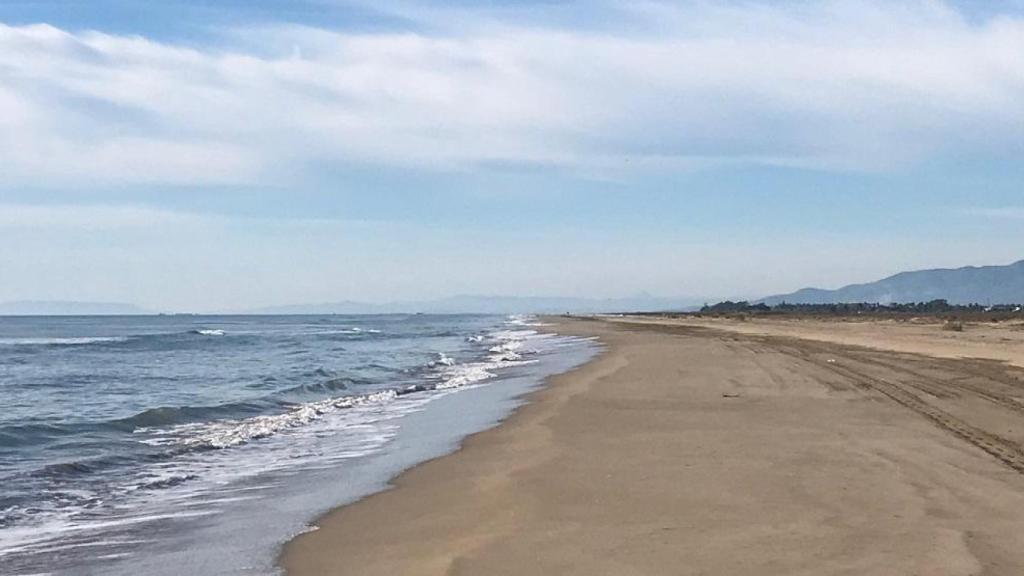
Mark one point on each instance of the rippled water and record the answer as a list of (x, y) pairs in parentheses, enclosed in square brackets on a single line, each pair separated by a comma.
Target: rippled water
[(121, 437)]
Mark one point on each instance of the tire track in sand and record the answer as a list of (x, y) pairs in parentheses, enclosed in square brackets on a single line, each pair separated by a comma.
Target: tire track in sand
[(1006, 451)]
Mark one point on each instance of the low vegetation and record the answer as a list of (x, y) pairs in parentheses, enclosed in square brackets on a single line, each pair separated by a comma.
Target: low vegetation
[(953, 315)]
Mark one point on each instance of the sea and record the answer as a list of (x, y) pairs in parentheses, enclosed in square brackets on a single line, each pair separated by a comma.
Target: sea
[(181, 444)]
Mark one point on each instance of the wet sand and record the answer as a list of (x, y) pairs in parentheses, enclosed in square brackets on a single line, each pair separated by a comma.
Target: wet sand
[(691, 450)]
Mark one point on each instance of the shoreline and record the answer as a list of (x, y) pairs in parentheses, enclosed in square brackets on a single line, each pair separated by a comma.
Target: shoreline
[(724, 453), (286, 560)]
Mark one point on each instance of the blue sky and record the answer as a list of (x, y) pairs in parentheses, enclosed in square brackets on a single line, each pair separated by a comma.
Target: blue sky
[(212, 155)]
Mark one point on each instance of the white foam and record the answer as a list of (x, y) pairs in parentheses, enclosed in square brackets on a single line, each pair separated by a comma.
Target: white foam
[(353, 330), (508, 350), (226, 433), (442, 360), (525, 320), (464, 375)]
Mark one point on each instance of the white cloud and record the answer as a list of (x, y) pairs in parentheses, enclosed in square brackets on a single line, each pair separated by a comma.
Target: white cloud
[(862, 86)]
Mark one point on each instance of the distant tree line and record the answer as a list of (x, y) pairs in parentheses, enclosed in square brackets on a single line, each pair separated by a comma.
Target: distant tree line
[(932, 307)]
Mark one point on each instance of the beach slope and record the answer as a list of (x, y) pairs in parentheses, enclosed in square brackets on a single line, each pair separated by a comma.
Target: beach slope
[(688, 450)]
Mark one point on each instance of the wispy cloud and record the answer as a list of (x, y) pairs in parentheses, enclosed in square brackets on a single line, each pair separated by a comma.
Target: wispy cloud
[(835, 85), (51, 218), (118, 218)]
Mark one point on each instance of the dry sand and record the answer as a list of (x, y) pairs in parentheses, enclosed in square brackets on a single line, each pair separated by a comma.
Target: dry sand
[(685, 450), (924, 335)]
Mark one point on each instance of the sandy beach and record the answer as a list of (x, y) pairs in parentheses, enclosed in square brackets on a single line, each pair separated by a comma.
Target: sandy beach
[(1003, 341), (721, 448)]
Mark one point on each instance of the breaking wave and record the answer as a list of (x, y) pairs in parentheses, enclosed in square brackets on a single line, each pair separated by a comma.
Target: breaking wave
[(331, 401), (445, 373)]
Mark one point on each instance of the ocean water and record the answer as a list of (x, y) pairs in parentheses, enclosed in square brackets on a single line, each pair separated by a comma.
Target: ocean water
[(174, 444)]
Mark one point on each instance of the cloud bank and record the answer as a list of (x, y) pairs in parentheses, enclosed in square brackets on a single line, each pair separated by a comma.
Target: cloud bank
[(835, 85)]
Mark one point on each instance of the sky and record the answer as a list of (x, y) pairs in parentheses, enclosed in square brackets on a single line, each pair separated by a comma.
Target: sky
[(213, 155)]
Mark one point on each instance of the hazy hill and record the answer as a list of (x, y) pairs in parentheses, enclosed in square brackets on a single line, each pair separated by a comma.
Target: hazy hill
[(967, 285), (451, 305), (66, 308), (491, 305)]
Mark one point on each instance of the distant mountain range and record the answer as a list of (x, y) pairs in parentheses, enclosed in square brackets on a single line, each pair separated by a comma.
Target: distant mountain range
[(66, 308), (968, 285), (452, 305), (492, 305)]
